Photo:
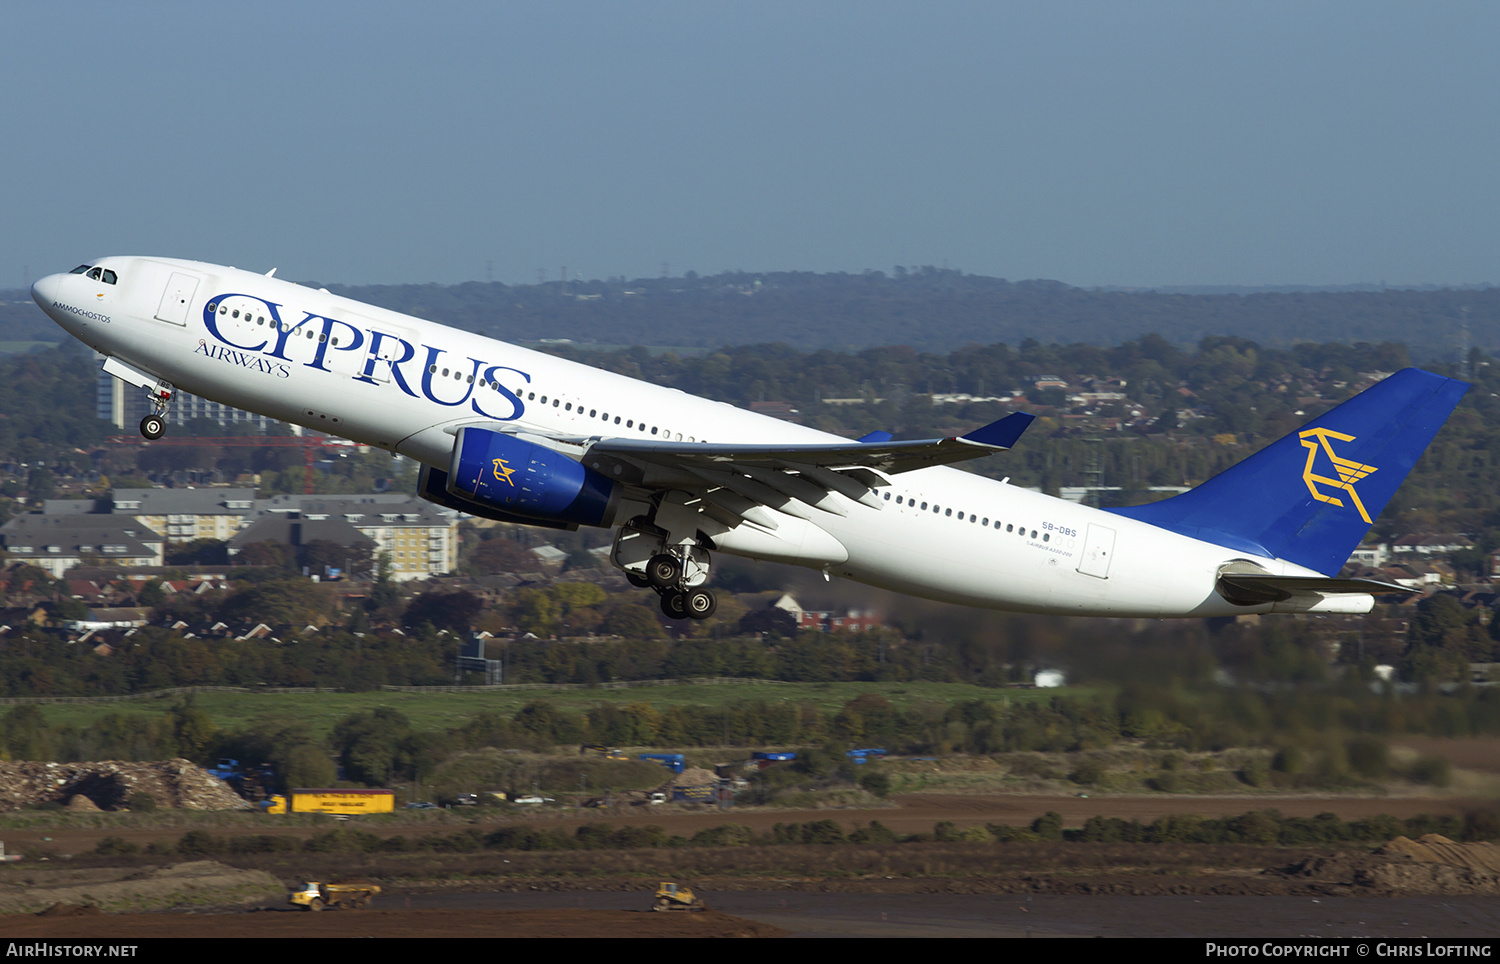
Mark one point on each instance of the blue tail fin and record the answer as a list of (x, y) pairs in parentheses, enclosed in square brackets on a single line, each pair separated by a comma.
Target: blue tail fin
[(1310, 497)]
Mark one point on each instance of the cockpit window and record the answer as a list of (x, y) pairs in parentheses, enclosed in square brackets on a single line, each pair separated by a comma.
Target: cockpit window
[(80, 269), (110, 277), (94, 274)]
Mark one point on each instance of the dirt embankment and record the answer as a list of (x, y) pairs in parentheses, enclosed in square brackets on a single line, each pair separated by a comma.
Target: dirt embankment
[(67, 896), (199, 883), (1431, 864)]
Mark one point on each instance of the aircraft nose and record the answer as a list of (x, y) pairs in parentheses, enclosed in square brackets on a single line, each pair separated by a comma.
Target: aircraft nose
[(44, 291)]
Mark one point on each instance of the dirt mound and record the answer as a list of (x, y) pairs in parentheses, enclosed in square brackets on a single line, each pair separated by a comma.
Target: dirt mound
[(71, 910), (1434, 848), (1432, 864), (198, 883), (109, 785), (695, 777)]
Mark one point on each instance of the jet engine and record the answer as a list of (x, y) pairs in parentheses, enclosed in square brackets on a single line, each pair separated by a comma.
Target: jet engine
[(508, 475), (433, 486)]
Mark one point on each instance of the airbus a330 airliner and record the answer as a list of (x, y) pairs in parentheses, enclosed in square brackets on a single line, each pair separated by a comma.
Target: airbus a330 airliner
[(518, 436)]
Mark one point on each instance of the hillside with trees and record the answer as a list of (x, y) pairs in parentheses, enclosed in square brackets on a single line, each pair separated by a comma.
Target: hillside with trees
[(931, 308)]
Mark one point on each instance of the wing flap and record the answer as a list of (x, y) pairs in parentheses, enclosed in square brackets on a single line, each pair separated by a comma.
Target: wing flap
[(1253, 588)]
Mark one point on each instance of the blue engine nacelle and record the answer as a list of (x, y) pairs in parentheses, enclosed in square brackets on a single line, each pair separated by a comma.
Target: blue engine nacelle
[(509, 476), (433, 486)]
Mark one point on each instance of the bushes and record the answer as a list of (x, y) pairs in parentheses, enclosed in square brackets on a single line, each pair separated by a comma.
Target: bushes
[(200, 843), (1256, 773), (1369, 757), (116, 847), (1109, 830), (1048, 826), (1089, 772), (1433, 771), (727, 835), (1258, 827), (876, 782), (875, 833)]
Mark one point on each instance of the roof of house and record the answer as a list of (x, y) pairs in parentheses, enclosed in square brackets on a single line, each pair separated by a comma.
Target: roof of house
[(35, 535), (184, 501)]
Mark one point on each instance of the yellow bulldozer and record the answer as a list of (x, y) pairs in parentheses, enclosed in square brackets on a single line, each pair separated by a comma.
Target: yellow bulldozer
[(671, 896)]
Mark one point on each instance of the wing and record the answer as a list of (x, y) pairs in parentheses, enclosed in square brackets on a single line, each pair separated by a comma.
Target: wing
[(877, 453), (736, 480)]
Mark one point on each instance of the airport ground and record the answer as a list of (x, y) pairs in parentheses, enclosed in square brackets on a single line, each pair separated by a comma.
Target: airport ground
[(933, 889)]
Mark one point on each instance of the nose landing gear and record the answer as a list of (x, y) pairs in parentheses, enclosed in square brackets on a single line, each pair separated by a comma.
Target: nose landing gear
[(154, 426)]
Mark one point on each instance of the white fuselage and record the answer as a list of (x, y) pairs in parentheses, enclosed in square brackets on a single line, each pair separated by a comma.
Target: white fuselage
[(382, 378)]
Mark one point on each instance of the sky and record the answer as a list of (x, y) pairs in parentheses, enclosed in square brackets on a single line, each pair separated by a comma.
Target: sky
[(1140, 143)]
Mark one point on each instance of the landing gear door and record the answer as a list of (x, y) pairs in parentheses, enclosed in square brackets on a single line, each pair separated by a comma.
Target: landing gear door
[(176, 300), (1098, 547)]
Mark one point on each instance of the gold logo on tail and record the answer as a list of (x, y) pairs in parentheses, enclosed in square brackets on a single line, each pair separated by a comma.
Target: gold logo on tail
[(503, 472), (1349, 471)]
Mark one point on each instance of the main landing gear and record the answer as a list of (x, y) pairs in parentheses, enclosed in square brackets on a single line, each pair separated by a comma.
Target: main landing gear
[(675, 572), (679, 600)]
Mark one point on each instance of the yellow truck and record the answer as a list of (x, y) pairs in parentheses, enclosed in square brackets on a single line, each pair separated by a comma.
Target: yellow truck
[(351, 893), (341, 802)]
